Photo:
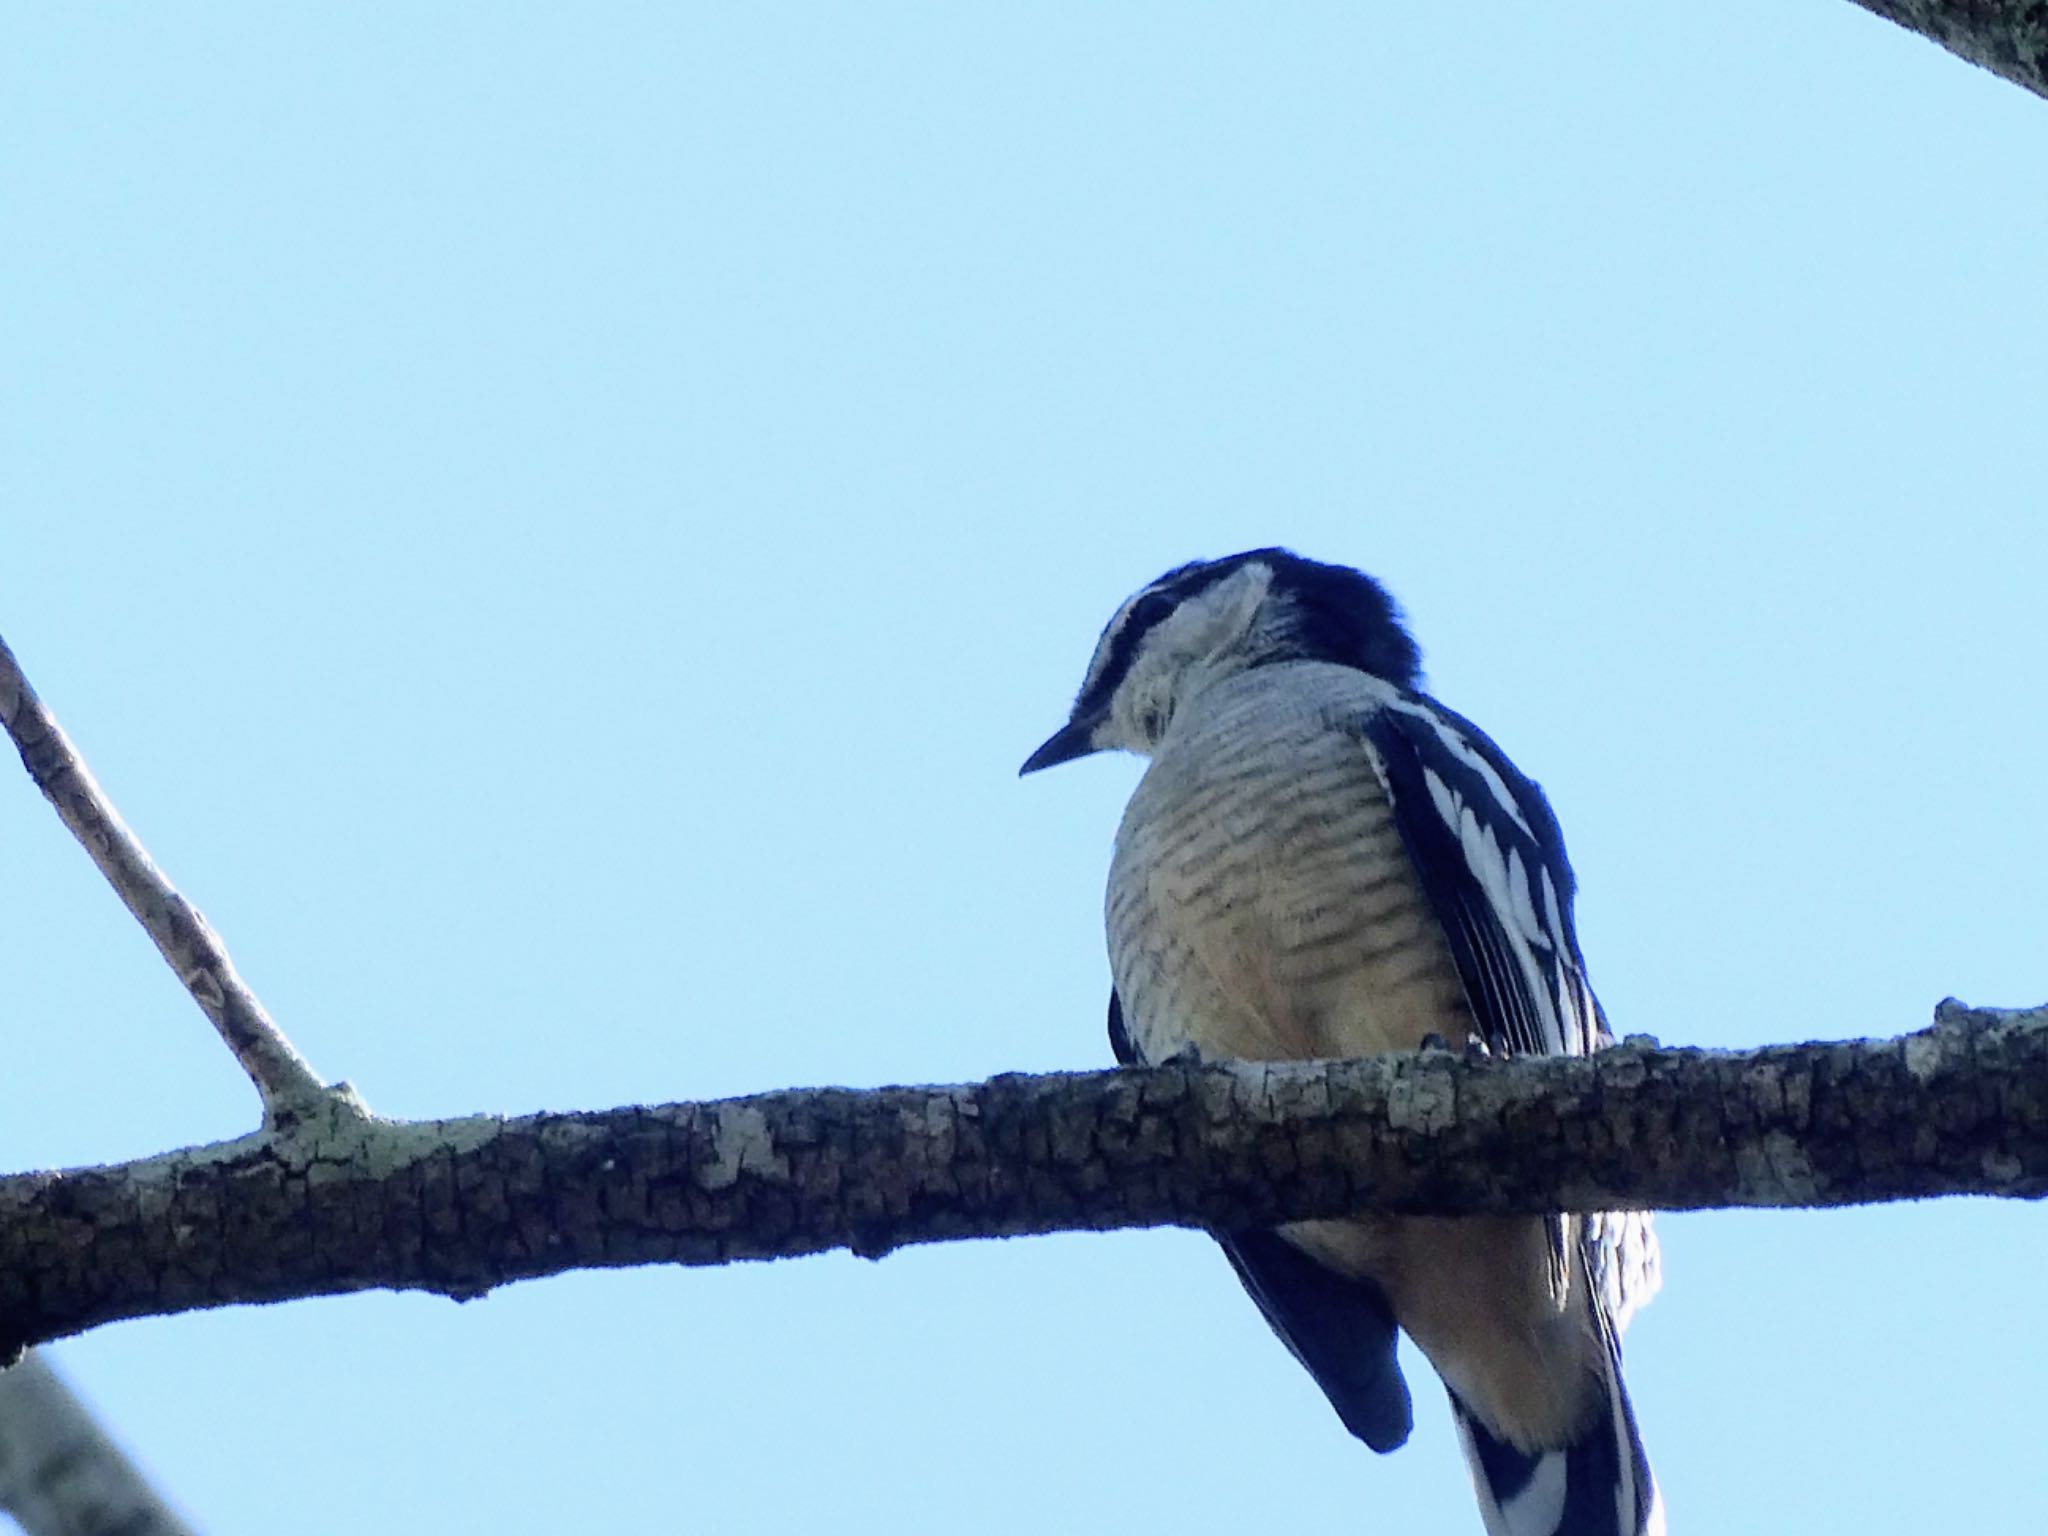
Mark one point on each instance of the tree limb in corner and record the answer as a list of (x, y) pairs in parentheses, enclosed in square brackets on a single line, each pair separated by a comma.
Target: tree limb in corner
[(2007, 37), (61, 1474), (349, 1203)]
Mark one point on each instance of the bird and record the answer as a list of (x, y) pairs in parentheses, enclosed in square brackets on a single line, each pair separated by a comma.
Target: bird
[(1321, 860)]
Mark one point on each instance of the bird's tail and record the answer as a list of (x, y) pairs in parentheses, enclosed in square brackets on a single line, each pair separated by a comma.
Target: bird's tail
[(1599, 1485)]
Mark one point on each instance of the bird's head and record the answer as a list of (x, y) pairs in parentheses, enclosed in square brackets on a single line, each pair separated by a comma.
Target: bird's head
[(1213, 618)]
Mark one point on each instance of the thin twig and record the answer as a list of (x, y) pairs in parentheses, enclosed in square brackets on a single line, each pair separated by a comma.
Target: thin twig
[(281, 1075)]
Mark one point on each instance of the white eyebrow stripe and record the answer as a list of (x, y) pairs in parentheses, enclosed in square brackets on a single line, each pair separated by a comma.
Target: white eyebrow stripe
[(1107, 644)]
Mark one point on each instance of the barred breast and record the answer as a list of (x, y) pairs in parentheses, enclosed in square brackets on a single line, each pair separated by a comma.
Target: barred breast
[(1261, 903)]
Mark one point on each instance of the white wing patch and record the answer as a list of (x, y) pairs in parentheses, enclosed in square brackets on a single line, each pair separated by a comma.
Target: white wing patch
[(1503, 879), (1525, 910), (1440, 792), (1501, 891), (1550, 912), (1468, 755)]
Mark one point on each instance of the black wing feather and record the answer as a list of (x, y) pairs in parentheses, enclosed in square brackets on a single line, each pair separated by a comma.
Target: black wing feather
[(1492, 863), (1491, 860), (1340, 1328)]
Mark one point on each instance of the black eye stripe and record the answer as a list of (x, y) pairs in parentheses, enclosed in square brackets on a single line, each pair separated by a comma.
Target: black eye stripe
[(1146, 614), (1114, 665), (1151, 609)]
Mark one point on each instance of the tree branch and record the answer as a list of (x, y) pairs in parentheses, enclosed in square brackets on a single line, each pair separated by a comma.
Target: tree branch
[(61, 1474), (459, 1206), (2007, 37), (288, 1085)]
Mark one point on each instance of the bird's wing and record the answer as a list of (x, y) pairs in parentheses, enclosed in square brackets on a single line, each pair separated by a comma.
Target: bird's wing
[(1492, 864), (1339, 1327)]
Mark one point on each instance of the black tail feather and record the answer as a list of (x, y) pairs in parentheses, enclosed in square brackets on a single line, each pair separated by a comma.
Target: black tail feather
[(1599, 1485)]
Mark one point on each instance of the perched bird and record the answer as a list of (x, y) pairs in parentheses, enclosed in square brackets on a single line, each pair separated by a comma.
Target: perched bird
[(1323, 861)]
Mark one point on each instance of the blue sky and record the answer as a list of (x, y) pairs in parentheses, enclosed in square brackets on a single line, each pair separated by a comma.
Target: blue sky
[(558, 526)]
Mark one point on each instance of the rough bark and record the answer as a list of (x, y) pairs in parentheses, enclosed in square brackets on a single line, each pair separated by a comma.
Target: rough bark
[(348, 1202), (2007, 37), (61, 1474)]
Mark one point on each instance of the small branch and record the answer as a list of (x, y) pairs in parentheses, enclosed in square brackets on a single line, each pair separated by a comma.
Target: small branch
[(288, 1085), (460, 1206), (2007, 37), (60, 1473)]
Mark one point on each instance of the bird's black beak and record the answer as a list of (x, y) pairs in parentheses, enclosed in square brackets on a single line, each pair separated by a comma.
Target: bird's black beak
[(1072, 740)]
